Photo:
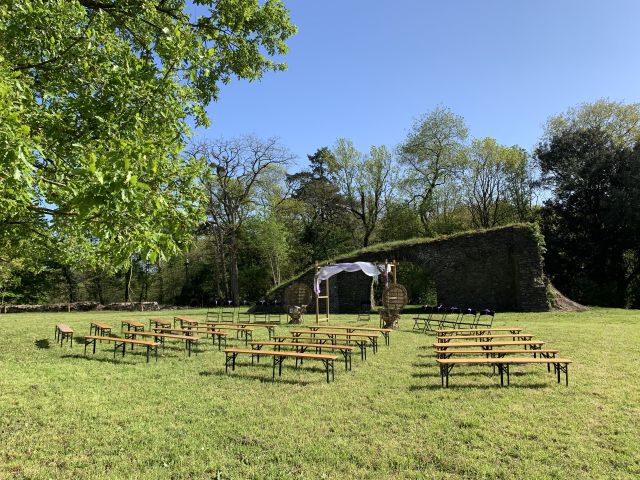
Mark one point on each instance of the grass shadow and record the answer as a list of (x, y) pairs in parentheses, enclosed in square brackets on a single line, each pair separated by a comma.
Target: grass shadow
[(260, 378), (438, 386), (42, 343)]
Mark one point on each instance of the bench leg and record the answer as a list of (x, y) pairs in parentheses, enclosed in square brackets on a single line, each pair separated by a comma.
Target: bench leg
[(273, 370)]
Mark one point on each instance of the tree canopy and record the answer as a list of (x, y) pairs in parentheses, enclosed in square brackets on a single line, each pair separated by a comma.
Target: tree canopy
[(95, 100)]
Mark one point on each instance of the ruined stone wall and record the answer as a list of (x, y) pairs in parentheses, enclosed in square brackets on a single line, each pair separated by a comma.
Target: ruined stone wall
[(501, 269)]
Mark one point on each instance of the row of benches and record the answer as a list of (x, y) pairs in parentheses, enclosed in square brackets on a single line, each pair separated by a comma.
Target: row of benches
[(334, 338), (489, 347)]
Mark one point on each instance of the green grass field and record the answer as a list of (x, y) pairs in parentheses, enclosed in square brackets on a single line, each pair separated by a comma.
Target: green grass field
[(66, 416)]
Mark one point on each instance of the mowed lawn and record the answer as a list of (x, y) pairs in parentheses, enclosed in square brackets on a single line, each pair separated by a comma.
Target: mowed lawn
[(66, 416)]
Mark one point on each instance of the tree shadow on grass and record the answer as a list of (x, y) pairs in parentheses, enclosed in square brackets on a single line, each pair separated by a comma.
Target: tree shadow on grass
[(42, 343), (94, 358), (260, 378)]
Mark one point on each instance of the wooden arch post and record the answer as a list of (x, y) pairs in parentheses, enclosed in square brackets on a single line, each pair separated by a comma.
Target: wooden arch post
[(324, 297), (394, 268)]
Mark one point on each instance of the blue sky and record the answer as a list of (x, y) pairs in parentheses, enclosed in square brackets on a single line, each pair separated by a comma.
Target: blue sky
[(364, 69)]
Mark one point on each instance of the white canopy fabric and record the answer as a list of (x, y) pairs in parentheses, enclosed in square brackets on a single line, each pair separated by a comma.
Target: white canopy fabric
[(371, 269)]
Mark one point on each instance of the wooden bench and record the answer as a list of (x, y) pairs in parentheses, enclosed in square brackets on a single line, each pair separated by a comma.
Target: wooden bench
[(302, 347), (475, 331), (63, 332), (241, 332), (100, 329), (384, 331), (120, 343), (360, 343), (159, 322), (532, 344), (189, 332), (486, 337), (332, 334), (503, 364), (132, 324), (499, 352), (271, 328), (278, 358), (189, 340), (184, 321)]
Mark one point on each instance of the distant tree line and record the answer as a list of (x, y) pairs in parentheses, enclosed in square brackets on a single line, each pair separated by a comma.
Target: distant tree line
[(264, 223)]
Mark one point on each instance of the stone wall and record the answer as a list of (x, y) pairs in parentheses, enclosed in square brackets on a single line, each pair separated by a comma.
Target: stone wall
[(80, 307), (501, 269)]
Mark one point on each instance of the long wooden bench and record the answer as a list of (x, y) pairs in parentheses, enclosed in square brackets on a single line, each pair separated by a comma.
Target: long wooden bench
[(159, 322), (362, 344), (100, 329), (63, 332), (120, 343), (475, 331), (241, 332), (189, 340), (132, 324), (503, 364), (302, 347), (349, 328), (373, 337), (188, 332), (184, 320), (271, 328), (498, 352), (532, 344), (278, 358), (486, 337)]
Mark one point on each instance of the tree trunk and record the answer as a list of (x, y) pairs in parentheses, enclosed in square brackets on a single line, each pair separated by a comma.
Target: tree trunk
[(127, 283), (160, 283), (72, 285), (235, 285)]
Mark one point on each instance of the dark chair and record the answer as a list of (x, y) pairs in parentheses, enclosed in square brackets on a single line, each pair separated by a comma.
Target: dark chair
[(364, 312), (245, 315), (275, 311), (488, 321)]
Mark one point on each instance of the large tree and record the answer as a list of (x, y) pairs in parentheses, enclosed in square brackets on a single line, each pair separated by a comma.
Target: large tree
[(365, 182), (498, 183), (319, 209), (620, 121), (592, 222), (95, 100), (238, 167), (433, 153)]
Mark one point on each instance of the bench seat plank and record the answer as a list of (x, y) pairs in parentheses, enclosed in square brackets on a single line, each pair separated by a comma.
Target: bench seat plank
[(488, 345), (521, 336)]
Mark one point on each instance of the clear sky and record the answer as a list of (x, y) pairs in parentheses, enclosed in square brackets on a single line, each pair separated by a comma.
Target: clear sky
[(364, 69)]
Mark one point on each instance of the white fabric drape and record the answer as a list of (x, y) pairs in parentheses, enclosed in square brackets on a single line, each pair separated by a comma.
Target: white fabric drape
[(371, 269)]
